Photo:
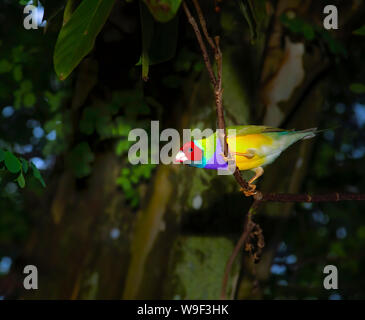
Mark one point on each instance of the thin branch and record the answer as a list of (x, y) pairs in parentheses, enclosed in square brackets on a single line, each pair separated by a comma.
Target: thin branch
[(242, 182), (201, 43), (218, 92), (215, 80), (204, 24), (249, 225), (288, 197)]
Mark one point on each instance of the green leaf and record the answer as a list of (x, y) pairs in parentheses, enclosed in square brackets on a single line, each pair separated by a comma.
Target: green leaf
[(19, 55), (26, 86), (21, 181), (360, 31), (122, 146), (77, 36), (163, 10), (164, 42), (159, 40), (11, 162), (90, 116), (103, 126), (69, 9), (24, 165), (29, 100), (37, 174), (357, 88), (54, 99), (335, 46), (254, 12), (124, 183), (18, 73), (337, 250), (147, 25), (298, 25), (5, 66)]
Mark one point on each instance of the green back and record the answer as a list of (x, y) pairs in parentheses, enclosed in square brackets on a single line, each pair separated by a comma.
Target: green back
[(252, 129)]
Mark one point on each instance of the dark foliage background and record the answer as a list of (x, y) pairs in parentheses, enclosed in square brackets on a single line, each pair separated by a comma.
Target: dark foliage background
[(102, 228)]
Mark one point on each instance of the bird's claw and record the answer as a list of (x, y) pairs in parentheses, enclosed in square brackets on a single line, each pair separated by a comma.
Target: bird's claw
[(227, 159), (250, 191)]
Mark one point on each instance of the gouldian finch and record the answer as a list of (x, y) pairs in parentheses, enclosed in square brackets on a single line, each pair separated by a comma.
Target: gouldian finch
[(251, 147)]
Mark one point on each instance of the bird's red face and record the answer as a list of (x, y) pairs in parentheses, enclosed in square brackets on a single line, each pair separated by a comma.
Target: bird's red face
[(189, 153)]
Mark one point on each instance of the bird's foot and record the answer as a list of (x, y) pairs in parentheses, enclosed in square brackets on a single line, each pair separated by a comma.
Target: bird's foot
[(251, 191), (227, 159)]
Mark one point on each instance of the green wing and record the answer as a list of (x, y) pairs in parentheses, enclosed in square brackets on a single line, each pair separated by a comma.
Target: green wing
[(251, 129)]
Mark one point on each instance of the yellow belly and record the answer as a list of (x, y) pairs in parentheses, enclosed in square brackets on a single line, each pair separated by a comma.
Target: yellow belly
[(242, 143)]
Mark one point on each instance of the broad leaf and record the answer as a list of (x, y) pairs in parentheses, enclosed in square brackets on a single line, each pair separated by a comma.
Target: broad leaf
[(21, 181), (163, 10), (159, 40), (11, 162), (24, 165), (298, 25), (69, 9), (163, 47), (37, 174), (147, 25), (77, 36), (5, 66)]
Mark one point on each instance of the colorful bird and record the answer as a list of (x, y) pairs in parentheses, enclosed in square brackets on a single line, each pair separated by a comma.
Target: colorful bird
[(251, 147)]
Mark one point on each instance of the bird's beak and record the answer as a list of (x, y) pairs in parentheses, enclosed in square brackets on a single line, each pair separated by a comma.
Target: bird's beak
[(181, 157)]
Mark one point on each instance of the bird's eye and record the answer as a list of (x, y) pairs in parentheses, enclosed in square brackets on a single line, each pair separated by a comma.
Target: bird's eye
[(190, 149)]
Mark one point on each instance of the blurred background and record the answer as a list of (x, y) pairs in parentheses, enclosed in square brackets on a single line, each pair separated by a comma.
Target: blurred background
[(100, 228)]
